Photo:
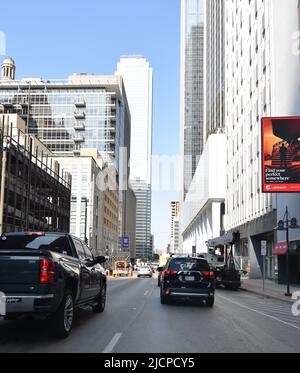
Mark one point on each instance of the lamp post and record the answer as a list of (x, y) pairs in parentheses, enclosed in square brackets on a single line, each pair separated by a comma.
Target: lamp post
[(285, 225), (85, 201)]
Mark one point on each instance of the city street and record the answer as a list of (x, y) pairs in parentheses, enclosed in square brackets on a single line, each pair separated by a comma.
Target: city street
[(135, 321)]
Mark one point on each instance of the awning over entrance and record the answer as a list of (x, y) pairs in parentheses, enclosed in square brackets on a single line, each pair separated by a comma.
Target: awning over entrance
[(280, 249), (228, 239)]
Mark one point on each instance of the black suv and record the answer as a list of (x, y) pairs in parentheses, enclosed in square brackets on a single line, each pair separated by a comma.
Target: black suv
[(187, 278)]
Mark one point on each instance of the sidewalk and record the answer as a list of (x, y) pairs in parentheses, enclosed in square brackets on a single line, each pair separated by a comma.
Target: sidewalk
[(272, 290)]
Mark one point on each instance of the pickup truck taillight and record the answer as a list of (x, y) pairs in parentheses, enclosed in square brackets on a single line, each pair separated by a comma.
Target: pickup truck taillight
[(46, 271)]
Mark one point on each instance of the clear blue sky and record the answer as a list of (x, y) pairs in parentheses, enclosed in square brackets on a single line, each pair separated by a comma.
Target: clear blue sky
[(53, 39)]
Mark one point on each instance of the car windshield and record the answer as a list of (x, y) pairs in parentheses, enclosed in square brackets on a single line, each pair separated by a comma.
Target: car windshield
[(188, 265), (31, 242)]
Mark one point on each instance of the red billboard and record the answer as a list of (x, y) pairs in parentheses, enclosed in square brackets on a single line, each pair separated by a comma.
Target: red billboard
[(281, 155)]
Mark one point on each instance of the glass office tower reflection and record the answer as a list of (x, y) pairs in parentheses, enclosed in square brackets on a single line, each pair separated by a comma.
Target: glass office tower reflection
[(81, 112), (192, 89)]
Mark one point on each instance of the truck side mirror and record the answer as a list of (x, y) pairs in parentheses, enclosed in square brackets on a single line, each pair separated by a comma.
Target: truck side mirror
[(160, 269), (100, 259)]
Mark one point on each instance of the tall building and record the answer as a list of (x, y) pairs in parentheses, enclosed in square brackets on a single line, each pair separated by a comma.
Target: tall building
[(214, 66), (191, 90), (138, 80), (86, 220), (175, 211), (262, 80), (202, 211), (81, 112)]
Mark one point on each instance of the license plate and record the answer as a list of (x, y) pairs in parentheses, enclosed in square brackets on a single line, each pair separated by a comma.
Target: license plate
[(13, 300), (189, 278)]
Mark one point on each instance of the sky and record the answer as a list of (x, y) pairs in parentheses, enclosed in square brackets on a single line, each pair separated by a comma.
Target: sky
[(53, 39)]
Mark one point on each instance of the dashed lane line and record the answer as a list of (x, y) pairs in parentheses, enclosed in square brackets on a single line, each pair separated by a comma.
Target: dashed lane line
[(112, 344)]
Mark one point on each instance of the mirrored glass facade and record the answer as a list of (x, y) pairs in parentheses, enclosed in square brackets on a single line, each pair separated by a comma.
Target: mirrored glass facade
[(70, 117), (192, 89)]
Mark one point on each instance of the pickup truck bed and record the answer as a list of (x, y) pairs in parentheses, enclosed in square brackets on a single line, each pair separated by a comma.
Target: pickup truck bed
[(43, 273)]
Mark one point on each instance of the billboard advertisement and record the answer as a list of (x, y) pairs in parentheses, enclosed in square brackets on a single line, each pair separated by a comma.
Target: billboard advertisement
[(281, 155)]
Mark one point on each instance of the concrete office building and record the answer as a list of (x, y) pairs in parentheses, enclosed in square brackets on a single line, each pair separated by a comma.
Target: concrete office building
[(201, 216), (35, 192), (87, 201), (262, 79), (175, 233), (138, 80)]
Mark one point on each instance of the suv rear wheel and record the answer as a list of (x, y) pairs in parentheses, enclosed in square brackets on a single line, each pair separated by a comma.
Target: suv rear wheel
[(62, 320), (210, 302), (163, 298)]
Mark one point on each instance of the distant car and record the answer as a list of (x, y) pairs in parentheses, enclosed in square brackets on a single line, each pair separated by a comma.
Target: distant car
[(144, 271), (187, 278)]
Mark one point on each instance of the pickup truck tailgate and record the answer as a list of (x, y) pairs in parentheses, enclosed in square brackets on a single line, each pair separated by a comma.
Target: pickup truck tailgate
[(19, 268)]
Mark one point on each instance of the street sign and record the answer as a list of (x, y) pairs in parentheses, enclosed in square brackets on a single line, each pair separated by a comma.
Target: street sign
[(264, 249), (125, 243)]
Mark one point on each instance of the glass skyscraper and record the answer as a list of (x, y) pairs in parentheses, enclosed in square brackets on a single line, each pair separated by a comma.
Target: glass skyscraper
[(138, 76), (192, 89), (85, 111)]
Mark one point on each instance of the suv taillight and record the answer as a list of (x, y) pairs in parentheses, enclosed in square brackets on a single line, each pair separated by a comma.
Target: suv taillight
[(208, 274), (46, 271), (170, 273)]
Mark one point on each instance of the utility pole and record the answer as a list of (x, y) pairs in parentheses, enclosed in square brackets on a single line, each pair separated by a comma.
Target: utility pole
[(288, 293), (3, 155), (285, 225)]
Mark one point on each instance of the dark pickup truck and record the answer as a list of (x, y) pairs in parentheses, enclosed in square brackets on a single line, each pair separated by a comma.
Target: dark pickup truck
[(49, 275)]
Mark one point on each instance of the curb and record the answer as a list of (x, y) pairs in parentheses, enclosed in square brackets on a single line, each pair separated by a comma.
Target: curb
[(266, 295)]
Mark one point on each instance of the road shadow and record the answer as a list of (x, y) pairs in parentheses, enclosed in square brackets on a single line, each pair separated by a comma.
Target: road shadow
[(27, 331)]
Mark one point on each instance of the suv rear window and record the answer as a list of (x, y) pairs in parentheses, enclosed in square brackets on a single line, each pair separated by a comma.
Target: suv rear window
[(188, 264), (22, 242)]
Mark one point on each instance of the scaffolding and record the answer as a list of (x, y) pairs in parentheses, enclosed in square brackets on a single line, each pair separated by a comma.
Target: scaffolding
[(34, 196)]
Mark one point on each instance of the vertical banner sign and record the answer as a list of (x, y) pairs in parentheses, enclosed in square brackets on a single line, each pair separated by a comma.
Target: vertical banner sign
[(281, 155), (125, 243), (264, 250)]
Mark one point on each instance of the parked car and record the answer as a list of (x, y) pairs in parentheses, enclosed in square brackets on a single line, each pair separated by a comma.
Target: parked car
[(144, 271), (50, 274), (187, 278)]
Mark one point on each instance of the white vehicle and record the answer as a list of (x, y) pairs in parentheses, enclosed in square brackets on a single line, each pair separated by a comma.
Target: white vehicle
[(144, 271)]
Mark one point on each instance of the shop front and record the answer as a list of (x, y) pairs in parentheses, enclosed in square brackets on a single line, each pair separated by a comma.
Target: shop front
[(281, 252)]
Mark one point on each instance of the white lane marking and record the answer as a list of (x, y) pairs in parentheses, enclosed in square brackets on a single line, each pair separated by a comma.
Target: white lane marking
[(260, 313), (112, 344), (146, 293)]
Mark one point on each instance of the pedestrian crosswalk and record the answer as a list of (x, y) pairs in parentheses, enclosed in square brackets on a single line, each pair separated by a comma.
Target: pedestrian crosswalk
[(277, 310)]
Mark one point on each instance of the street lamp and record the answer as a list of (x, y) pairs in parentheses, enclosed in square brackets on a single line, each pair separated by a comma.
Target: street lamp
[(285, 225), (85, 201)]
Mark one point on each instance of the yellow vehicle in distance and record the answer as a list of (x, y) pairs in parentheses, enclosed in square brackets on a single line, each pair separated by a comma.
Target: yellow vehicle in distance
[(122, 269)]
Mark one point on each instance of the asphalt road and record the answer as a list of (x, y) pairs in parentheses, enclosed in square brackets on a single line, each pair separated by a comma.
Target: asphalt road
[(135, 321)]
